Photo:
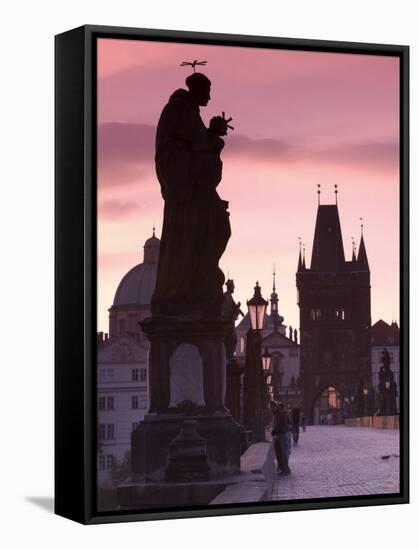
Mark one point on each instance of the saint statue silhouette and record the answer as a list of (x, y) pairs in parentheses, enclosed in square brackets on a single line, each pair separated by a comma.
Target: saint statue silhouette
[(196, 225)]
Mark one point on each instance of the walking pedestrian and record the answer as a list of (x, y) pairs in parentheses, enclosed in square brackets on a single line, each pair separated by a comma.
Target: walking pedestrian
[(285, 434), (303, 422), (295, 423), (280, 433)]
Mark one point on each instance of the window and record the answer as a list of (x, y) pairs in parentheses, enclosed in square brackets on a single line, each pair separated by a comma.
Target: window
[(242, 344), (134, 402), (106, 432), (340, 313), (102, 462), (101, 403), (106, 403), (110, 403), (105, 462), (315, 314), (143, 375), (101, 375), (110, 431), (134, 375)]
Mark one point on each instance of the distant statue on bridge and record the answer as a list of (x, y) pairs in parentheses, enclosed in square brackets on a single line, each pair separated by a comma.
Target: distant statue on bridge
[(196, 226), (387, 386), (230, 312)]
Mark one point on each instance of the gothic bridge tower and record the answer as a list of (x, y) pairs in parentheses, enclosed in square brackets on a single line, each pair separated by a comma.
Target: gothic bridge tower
[(334, 297)]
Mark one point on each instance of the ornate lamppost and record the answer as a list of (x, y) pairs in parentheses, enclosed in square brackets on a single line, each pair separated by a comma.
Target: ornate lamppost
[(365, 390), (352, 406), (254, 378), (267, 391), (387, 384)]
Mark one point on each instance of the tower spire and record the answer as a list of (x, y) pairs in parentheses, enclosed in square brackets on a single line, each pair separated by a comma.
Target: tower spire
[(353, 250), (300, 260), (273, 273), (318, 193), (336, 194), (362, 261), (274, 300), (304, 256)]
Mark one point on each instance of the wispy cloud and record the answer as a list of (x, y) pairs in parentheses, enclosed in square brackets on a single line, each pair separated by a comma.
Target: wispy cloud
[(126, 156), (125, 153), (115, 209)]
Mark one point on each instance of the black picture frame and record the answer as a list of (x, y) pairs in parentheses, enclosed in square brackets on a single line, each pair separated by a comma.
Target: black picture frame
[(75, 271)]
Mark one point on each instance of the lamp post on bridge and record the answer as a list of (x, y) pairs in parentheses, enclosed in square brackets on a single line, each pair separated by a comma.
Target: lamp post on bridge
[(387, 384), (365, 390), (255, 398)]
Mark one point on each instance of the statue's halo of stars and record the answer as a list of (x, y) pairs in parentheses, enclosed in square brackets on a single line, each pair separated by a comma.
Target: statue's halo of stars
[(193, 64)]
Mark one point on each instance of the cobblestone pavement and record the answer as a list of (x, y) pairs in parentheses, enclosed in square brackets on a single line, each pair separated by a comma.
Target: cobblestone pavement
[(332, 461)]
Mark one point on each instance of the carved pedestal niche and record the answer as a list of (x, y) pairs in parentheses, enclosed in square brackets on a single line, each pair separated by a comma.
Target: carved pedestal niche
[(187, 382)]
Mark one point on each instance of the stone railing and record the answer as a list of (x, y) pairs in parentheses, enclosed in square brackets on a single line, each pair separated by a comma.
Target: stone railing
[(377, 422), (256, 478)]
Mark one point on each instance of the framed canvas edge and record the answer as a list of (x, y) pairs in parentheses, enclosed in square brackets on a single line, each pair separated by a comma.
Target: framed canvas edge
[(87, 513)]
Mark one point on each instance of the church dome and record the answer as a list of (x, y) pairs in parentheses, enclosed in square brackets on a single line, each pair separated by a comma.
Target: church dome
[(137, 286), (152, 241)]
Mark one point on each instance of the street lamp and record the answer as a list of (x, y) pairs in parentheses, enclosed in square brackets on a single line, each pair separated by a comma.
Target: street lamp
[(256, 365), (352, 405), (365, 390), (387, 384), (257, 307), (266, 360)]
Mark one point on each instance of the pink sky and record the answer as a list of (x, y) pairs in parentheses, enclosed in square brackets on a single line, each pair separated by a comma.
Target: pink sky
[(300, 118)]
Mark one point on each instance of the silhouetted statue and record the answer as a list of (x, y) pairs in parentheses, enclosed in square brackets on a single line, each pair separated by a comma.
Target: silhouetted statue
[(230, 312), (196, 225), (387, 386)]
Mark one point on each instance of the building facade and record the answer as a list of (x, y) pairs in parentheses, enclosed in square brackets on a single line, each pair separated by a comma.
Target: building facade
[(122, 355), (334, 297)]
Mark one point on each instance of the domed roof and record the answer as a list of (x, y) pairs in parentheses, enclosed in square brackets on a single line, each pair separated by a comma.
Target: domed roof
[(152, 241), (137, 286)]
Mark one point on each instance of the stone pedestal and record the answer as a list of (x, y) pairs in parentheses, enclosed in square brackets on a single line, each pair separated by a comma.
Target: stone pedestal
[(188, 455), (187, 382)]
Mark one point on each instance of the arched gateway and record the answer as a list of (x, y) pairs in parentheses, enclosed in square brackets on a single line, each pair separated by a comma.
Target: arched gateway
[(328, 407)]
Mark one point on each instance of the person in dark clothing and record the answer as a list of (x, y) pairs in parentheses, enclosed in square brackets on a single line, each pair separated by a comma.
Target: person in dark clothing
[(295, 420), (280, 431)]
